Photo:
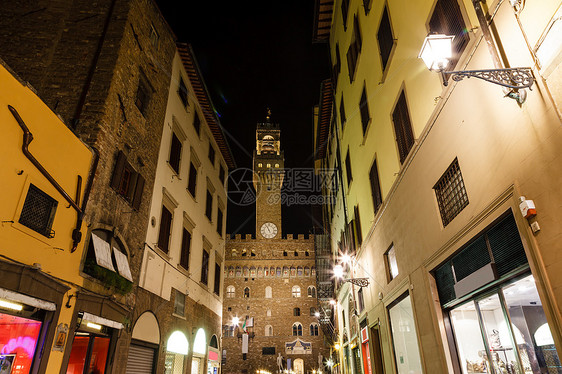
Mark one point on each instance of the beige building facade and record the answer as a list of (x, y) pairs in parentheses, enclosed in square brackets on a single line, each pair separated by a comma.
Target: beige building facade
[(434, 182)]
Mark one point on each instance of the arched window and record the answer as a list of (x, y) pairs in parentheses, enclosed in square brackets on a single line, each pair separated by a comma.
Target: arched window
[(312, 311), (296, 312), (268, 292), (246, 272), (268, 313), (296, 291), (200, 342), (230, 292), (246, 292), (214, 342), (311, 292), (230, 271), (313, 329), (268, 330), (297, 329)]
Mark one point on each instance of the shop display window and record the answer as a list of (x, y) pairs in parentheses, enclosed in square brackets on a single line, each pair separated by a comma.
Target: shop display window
[(18, 341), (404, 339), (88, 350), (486, 341)]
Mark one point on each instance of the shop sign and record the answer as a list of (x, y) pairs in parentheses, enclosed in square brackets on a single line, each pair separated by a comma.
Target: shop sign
[(60, 337)]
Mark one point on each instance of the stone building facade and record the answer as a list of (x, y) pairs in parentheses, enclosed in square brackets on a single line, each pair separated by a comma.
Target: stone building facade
[(270, 297), (105, 68)]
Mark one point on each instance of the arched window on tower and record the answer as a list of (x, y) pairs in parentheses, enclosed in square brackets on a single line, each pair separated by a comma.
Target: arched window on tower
[(313, 329), (297, 329), (230, 292), (268, 330), (268, 292), (246, 292), (296, 291), (296, 312), (311, 292)]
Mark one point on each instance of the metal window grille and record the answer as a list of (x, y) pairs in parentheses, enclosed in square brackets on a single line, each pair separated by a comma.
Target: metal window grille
[(451, 193), (38, 211)]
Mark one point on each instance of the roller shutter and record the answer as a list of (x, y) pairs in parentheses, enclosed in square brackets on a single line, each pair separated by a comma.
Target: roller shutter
[(140, 360)]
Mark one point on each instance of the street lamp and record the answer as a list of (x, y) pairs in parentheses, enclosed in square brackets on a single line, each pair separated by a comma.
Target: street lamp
[(235, 321), (339, 273), (436, 53)]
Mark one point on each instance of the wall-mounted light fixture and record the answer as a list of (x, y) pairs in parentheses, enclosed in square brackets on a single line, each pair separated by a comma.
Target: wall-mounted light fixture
[(436, 53)]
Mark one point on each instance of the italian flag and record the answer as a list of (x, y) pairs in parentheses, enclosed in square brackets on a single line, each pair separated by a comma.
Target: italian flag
[(244, 326)]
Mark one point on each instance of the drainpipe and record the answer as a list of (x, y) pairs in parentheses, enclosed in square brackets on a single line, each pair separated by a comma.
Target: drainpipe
[(27, 139)]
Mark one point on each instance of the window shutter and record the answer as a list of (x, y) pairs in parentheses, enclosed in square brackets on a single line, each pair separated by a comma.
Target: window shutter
[(403, 127), (185, 249), (385, 38), (118, 170), (137, 197), (447, 19)]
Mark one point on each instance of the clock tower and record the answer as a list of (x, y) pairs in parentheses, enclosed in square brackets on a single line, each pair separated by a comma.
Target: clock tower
[(268, 179)]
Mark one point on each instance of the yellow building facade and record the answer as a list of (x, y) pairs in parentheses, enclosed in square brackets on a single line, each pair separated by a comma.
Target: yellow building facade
[(433, 184), (45, 176)]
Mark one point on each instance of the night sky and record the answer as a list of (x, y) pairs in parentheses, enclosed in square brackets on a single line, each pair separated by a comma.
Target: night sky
[(256, 55)]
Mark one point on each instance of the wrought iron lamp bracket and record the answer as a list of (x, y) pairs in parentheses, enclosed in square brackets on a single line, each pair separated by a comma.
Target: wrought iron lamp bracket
[(361, 282), (514, 78)]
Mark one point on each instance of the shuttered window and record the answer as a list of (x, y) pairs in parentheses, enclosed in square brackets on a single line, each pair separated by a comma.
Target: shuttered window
[(185, 249), (209, 205), (348, 168), (217, 288), (175, 153), (165, 229), (140, 360), (354, 49), (367, 6), (364, 110), (375, 186), (500, 244), (205, 267), (192, 182), (197, 122), (127, 182), (212, 154), (182, 92), (402, 127), (336, 68), (385, 38), (342, 113), (344, 11), (357, 226), (219, 222), (447, 19)]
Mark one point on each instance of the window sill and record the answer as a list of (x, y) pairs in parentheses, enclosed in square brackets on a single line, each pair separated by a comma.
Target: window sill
[(179, 316), (162, 254), (190, 194), (174, 172)]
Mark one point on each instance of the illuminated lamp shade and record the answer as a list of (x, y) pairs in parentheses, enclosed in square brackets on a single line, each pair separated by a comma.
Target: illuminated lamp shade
[(437, 51), (338, 271), (177, 343)]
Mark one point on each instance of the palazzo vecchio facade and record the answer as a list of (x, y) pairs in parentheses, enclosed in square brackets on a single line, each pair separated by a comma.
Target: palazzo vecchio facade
[(270, 282)]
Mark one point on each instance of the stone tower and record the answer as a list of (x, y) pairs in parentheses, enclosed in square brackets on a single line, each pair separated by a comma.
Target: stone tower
[(270, 281)]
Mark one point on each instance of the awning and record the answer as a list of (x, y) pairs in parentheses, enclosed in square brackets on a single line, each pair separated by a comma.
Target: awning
[(28, 300), (101, 321)]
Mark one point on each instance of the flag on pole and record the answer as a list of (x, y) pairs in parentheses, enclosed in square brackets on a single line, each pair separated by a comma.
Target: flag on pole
[(244, 326)]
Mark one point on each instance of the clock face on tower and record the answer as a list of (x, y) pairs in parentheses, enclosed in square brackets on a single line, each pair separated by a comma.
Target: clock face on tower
[(268, 230)]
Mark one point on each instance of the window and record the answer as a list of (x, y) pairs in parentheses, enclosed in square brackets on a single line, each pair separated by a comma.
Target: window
[(375, 186), (391, 264), (268, 313), (403, 334), (192, 182), (357, 226), (447, 19), (360, 299), (230, 292), (296, 312), (313, 329), (165, 229), (175, 153), (367, 6), (354, 50), (217, 288), (336, 68), (222, 174), (154, 37), (197, 123), (313, 311), (179, 304), (364, 109), (311, 291), (451, 193), (38, 212), (285, 253), (344, 11), (268, 350), (297, 329), (246, 293), (219, 222), (342, 113), (348, 168), (269, 331), (205, 267), (185, 249), (296, 291), (144, 91), (385, 38), (126, 181), (402, 127), (182, 92), (268, 292), (212, 154), (209, 205)]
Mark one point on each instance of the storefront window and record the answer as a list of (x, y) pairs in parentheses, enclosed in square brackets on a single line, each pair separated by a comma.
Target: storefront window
[(532, 333), (404, 339), (524, 347), (18, 340), (82, 343)]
